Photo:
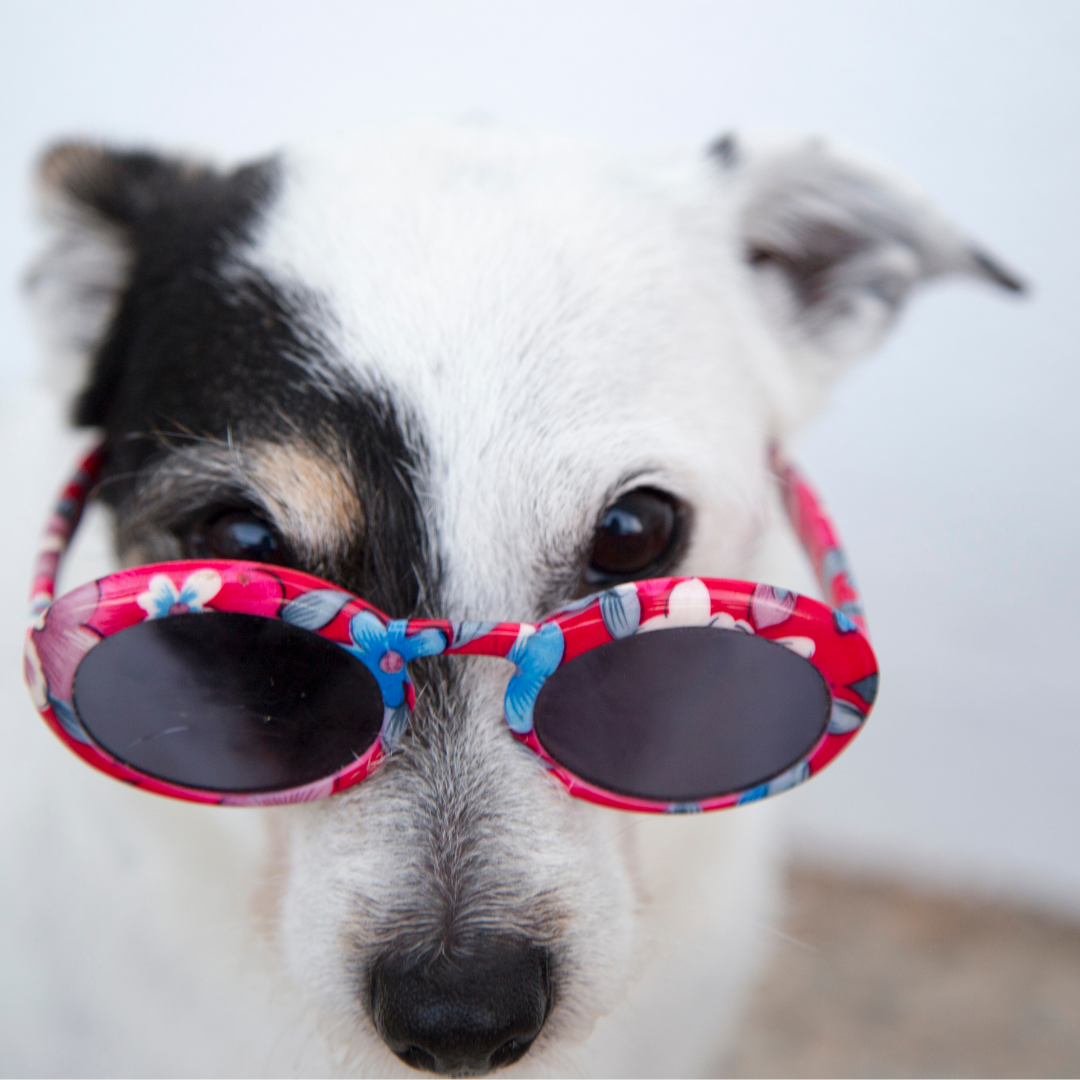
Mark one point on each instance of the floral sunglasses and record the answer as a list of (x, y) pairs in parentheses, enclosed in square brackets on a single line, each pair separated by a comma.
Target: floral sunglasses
[(244, 684)]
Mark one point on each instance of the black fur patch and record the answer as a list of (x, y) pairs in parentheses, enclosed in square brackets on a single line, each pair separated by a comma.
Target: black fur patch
[(202, 347), (814, 255)]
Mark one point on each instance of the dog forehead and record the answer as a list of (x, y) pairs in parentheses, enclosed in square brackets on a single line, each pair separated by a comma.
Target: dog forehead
[(542, 308), (445, 252)]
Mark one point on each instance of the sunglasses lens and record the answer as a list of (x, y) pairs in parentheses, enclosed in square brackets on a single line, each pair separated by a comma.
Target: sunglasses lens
[(228, 702), (682, 715)]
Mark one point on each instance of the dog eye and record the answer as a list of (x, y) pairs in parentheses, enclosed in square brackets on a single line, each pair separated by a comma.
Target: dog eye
[(237, 534), (636, 534)]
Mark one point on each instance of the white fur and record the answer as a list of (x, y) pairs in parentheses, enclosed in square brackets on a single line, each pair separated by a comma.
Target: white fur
[(75, 287), (560, 325)]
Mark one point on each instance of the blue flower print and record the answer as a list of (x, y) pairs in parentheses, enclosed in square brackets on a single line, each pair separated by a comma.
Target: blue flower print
[(536, 655), (834, 562), (65, 714), (797, 774), (385, 650), (393, 727), (852, 608), (620, 608)]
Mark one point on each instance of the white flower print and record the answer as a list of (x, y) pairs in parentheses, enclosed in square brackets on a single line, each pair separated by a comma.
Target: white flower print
[(690, 605), (163, 598), (803, 646)]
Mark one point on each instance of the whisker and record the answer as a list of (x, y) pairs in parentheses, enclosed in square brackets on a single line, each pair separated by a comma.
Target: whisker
[(785, 937)]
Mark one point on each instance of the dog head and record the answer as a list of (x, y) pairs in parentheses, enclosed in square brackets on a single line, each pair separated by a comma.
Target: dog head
[(426, 367)]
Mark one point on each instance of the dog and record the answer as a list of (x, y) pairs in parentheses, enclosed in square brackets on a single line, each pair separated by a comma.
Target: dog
[(423, 365)]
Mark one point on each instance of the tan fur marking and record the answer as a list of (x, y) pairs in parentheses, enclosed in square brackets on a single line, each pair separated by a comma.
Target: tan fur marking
[(77, 167), (312, 496), (68, 163)]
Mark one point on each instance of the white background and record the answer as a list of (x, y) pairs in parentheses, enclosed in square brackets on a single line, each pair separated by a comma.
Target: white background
[(949, 458)]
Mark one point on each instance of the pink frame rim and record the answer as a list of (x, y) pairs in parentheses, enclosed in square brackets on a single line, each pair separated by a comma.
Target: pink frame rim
[(832, 638)]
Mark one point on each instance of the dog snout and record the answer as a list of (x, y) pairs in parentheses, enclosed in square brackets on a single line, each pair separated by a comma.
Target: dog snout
[(463, 1016)]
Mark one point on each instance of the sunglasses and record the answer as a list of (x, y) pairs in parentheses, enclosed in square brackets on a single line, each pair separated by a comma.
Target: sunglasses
[(246, 684)]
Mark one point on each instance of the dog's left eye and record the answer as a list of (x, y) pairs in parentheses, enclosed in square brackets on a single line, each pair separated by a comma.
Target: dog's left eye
[(638, 535), (237, 534)]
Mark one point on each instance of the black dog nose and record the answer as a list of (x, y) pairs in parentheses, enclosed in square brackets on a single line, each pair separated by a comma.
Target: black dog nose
[(462, 1017)]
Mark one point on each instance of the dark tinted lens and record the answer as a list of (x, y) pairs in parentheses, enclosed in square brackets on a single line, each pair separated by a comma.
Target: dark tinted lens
[(683, 714), (228, 702)]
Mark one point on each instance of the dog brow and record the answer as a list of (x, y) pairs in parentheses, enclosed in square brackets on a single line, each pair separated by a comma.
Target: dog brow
[(307, 491)]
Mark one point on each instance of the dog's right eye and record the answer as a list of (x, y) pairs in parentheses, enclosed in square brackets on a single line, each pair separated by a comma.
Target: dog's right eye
[(237, 534)]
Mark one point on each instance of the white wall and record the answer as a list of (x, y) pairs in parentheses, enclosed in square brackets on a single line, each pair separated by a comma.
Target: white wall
[(950, 459)]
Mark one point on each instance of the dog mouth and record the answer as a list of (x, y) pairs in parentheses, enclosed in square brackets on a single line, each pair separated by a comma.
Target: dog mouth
[(463, 1016)]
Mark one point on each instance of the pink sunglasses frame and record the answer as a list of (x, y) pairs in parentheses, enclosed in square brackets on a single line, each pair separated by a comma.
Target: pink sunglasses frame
[(833, 639)]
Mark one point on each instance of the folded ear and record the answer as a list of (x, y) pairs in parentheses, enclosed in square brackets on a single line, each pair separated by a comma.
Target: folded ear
[(835, 245), (93, 201)]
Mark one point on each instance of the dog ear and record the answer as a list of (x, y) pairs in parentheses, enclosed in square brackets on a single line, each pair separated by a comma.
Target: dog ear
[(93, 201), (835, 246)]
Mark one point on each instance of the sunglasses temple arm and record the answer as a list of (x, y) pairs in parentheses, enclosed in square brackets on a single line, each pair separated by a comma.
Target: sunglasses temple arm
[(61, 527), (820, 540)]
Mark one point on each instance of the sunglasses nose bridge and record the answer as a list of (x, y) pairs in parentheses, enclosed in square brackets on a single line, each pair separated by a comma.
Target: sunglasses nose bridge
[(487, 638), (525, 653)]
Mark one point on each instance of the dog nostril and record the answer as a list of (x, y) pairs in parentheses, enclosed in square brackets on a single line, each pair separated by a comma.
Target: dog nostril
[(508, 1053), (465, 1016), (416, 1058)]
